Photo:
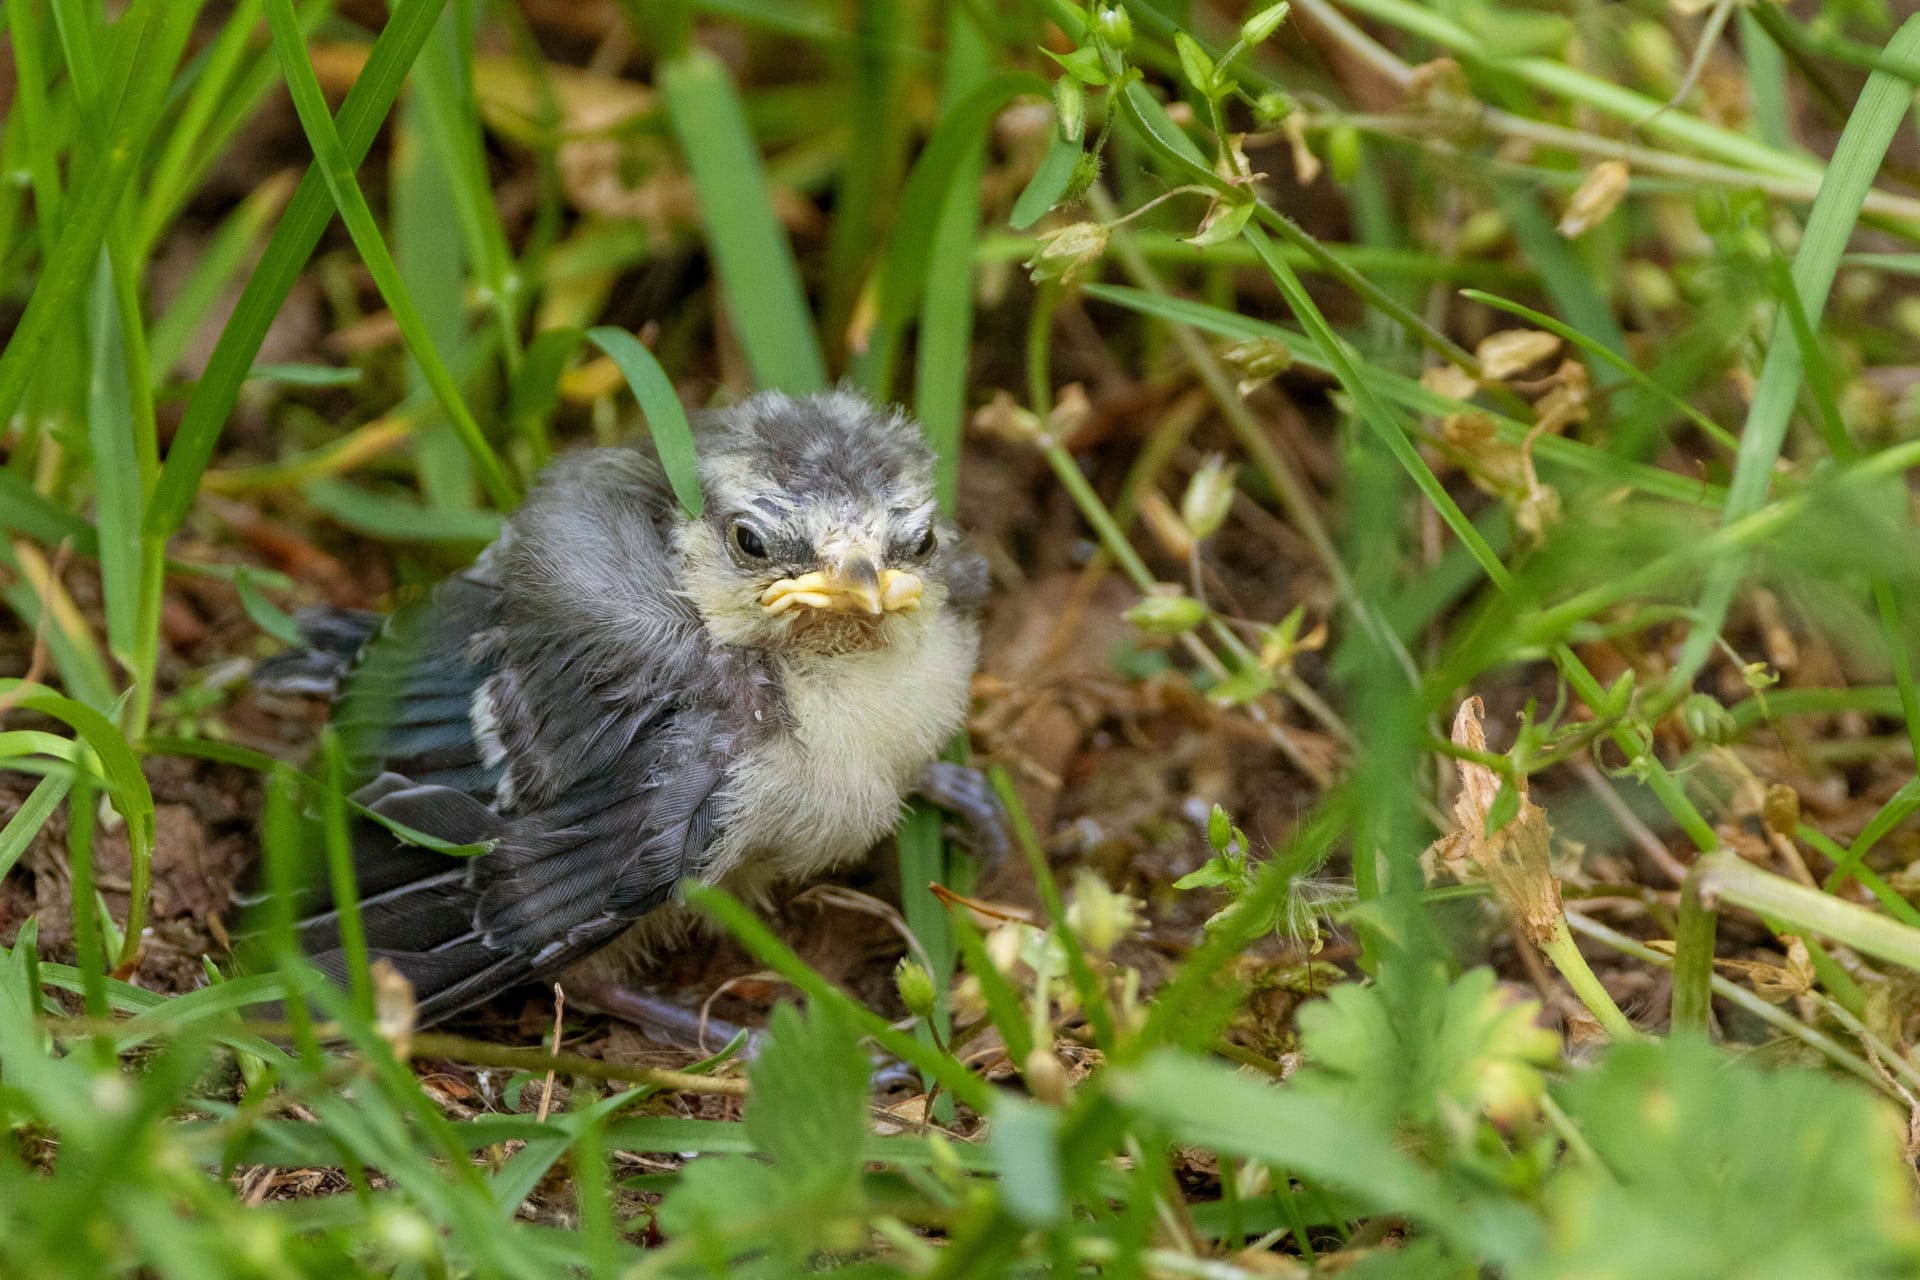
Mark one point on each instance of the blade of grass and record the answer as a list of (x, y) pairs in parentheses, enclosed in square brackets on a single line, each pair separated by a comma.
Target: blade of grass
[(904, 273), (1692, 962), (293, 242), (761, 283), (161, 28), (666, 416), (871, 168), (213, 270), (1856, 159), (89, 957), (30, 817), (451, 118), (1725, 877), (337, 170), (126, 787), (776, 955), (1048, 184), (116, 469), (397, 520), (432, 266)]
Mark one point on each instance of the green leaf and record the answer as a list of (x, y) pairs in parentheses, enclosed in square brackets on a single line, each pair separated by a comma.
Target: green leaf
[(32, 815), (808, 1106), (1026, 1153), (336, 165), (903, 276), (666, 416), (1195, 65), (159, 28), (397, 520), (1213, 873), (1048, 184), (1082, 64), (1320, 1138), (264, 613), (765, 301), (294, 238), (305, 375), (1856, 160), (536, 386), (1726, 1169), (116, 465), (1437, 1059), (1223, 222)]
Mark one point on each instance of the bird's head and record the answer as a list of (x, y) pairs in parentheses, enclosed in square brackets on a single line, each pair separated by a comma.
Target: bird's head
[(821, 531)]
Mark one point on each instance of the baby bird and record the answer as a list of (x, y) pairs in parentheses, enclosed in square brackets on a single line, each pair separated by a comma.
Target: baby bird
[(619, 699)]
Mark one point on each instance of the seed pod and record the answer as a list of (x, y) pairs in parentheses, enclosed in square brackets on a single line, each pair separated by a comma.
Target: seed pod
[(1114, 26), (1209, 497), (1168, 615), (915, 986), (1707, 720), (1068, 252)]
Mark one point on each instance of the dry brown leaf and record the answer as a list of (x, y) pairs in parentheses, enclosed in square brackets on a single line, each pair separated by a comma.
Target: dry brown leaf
[(394, 1013), (1510, 351), (1514, 859), (1497, 467), (1566, 404), (1306, 165), (1450, 381), (1597, 197)]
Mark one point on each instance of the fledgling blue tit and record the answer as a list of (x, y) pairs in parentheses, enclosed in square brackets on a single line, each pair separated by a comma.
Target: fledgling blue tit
[(619, 698)]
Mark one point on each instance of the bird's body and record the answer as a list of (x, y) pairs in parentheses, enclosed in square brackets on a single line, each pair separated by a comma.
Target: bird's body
[(620, 698)]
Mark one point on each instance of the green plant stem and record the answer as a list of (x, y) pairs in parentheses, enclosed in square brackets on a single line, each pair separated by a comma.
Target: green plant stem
[(1725, 877), (1750, 1003), (1565, 955), (1693, 962)]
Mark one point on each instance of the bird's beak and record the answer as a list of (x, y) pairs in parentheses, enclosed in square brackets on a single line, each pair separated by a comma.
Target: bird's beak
[(850, 585)]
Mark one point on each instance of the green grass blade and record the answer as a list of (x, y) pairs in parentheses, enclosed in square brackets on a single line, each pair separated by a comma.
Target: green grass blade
[(1856, 160), (293, 243), (394, 519), (126, 787), (451, 119), (218, 108), (866, 188), (337, 170), (903, 277), (1048, 184), (340, 876), (946, 308), (116, 469), (31, 816), (93, 206), (433, 270), (666, 416), (765, 300), (223, 256), (25, 511)]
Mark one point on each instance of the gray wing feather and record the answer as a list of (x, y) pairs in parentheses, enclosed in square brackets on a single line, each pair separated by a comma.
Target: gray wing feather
[(560, 700)]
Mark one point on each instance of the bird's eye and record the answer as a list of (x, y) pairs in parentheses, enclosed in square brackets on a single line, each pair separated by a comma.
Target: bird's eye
[(747, 540), (928, 541)]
